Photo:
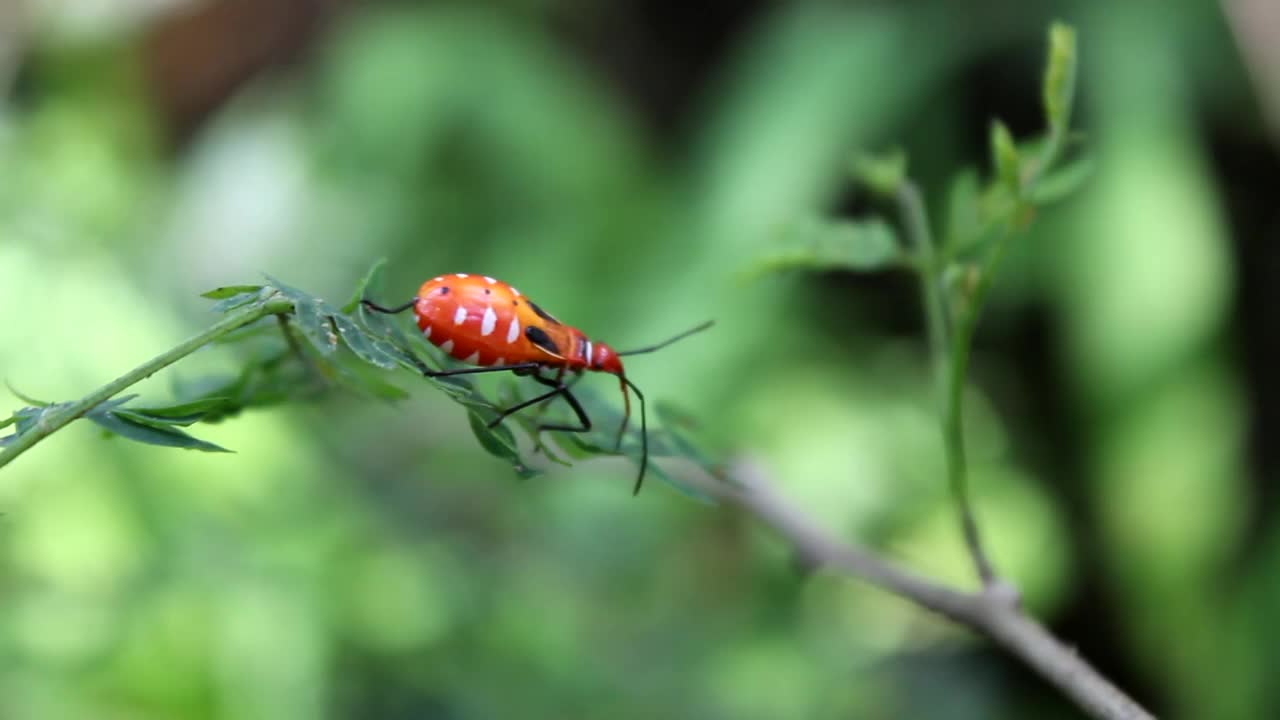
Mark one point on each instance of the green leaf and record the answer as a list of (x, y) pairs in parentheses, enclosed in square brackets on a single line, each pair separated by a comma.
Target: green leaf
[(858, 245), (1064, 180), (235, 301), (228, 291), (1060, 77), (290, 292), (363, 286), (1004, 156), (140, 428), (186, 413), (383, 327), (881, 173), (26, 399), (964, 221), (314, 326), (500, 443), (675, 422), (363, 345)]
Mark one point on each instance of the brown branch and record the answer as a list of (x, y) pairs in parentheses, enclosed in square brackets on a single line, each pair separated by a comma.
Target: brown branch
[(993, 611)]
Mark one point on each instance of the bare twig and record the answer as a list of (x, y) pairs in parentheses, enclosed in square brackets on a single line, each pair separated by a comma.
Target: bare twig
[(991, 612)]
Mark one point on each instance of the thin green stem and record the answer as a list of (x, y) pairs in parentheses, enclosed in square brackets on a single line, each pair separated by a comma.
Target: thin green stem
[(950, 356), (55, 421), (911, 206)]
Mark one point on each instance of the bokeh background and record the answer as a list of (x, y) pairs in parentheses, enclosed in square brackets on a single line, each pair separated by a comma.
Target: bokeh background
[(624, 163)]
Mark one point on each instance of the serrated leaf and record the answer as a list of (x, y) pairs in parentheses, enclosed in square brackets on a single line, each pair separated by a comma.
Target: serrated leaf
[(382, 327), (228, 291), (363, 286), (139, 428), (858, 245), (362, 344), (314, 326)]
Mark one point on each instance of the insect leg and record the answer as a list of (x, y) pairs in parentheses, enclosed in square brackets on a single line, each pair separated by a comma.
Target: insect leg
[(474, 371), (565, 389), (388, 310), (522, 405)]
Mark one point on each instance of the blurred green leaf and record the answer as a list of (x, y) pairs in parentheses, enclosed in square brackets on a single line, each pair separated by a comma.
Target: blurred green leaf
[(314, 326), (25, 398), (362, 287), (1005, 158), (964, 220), (140, 428), (1060, 77), (499, 442), (235, 301), (229, 291), (881, 173), (185, 413), (859, 245), (1062, 181)]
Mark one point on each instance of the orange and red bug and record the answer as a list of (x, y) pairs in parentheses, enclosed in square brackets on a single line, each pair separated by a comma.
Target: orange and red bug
[(486, 322)]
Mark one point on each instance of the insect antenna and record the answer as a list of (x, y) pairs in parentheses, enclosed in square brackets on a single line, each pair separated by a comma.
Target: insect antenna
[(644, 429), (668, 341)]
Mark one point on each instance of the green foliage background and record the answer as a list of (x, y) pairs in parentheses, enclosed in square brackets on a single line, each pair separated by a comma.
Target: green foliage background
[(360, 559)]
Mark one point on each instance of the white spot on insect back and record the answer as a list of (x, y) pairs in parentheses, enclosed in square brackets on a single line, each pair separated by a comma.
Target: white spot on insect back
[(490, 280), (460, 316), (473, 358), (500, 361), (490, 320), (513, 332), (461, 275), (426, 332), (447, 347), (588, 353)]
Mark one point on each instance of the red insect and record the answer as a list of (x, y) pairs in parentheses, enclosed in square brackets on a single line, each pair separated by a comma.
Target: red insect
[(486, 322)]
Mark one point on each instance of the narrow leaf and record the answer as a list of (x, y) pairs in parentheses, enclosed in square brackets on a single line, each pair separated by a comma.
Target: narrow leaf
[(1060, 77), (24, 398), (363, 286), (235, 301), (144, 430), (1004, 156), (228, 291), (185, 413)]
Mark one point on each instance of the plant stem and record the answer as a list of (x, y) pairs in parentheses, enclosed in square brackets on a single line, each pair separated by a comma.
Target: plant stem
[(916, 222), (950, 356), (57, 420)]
